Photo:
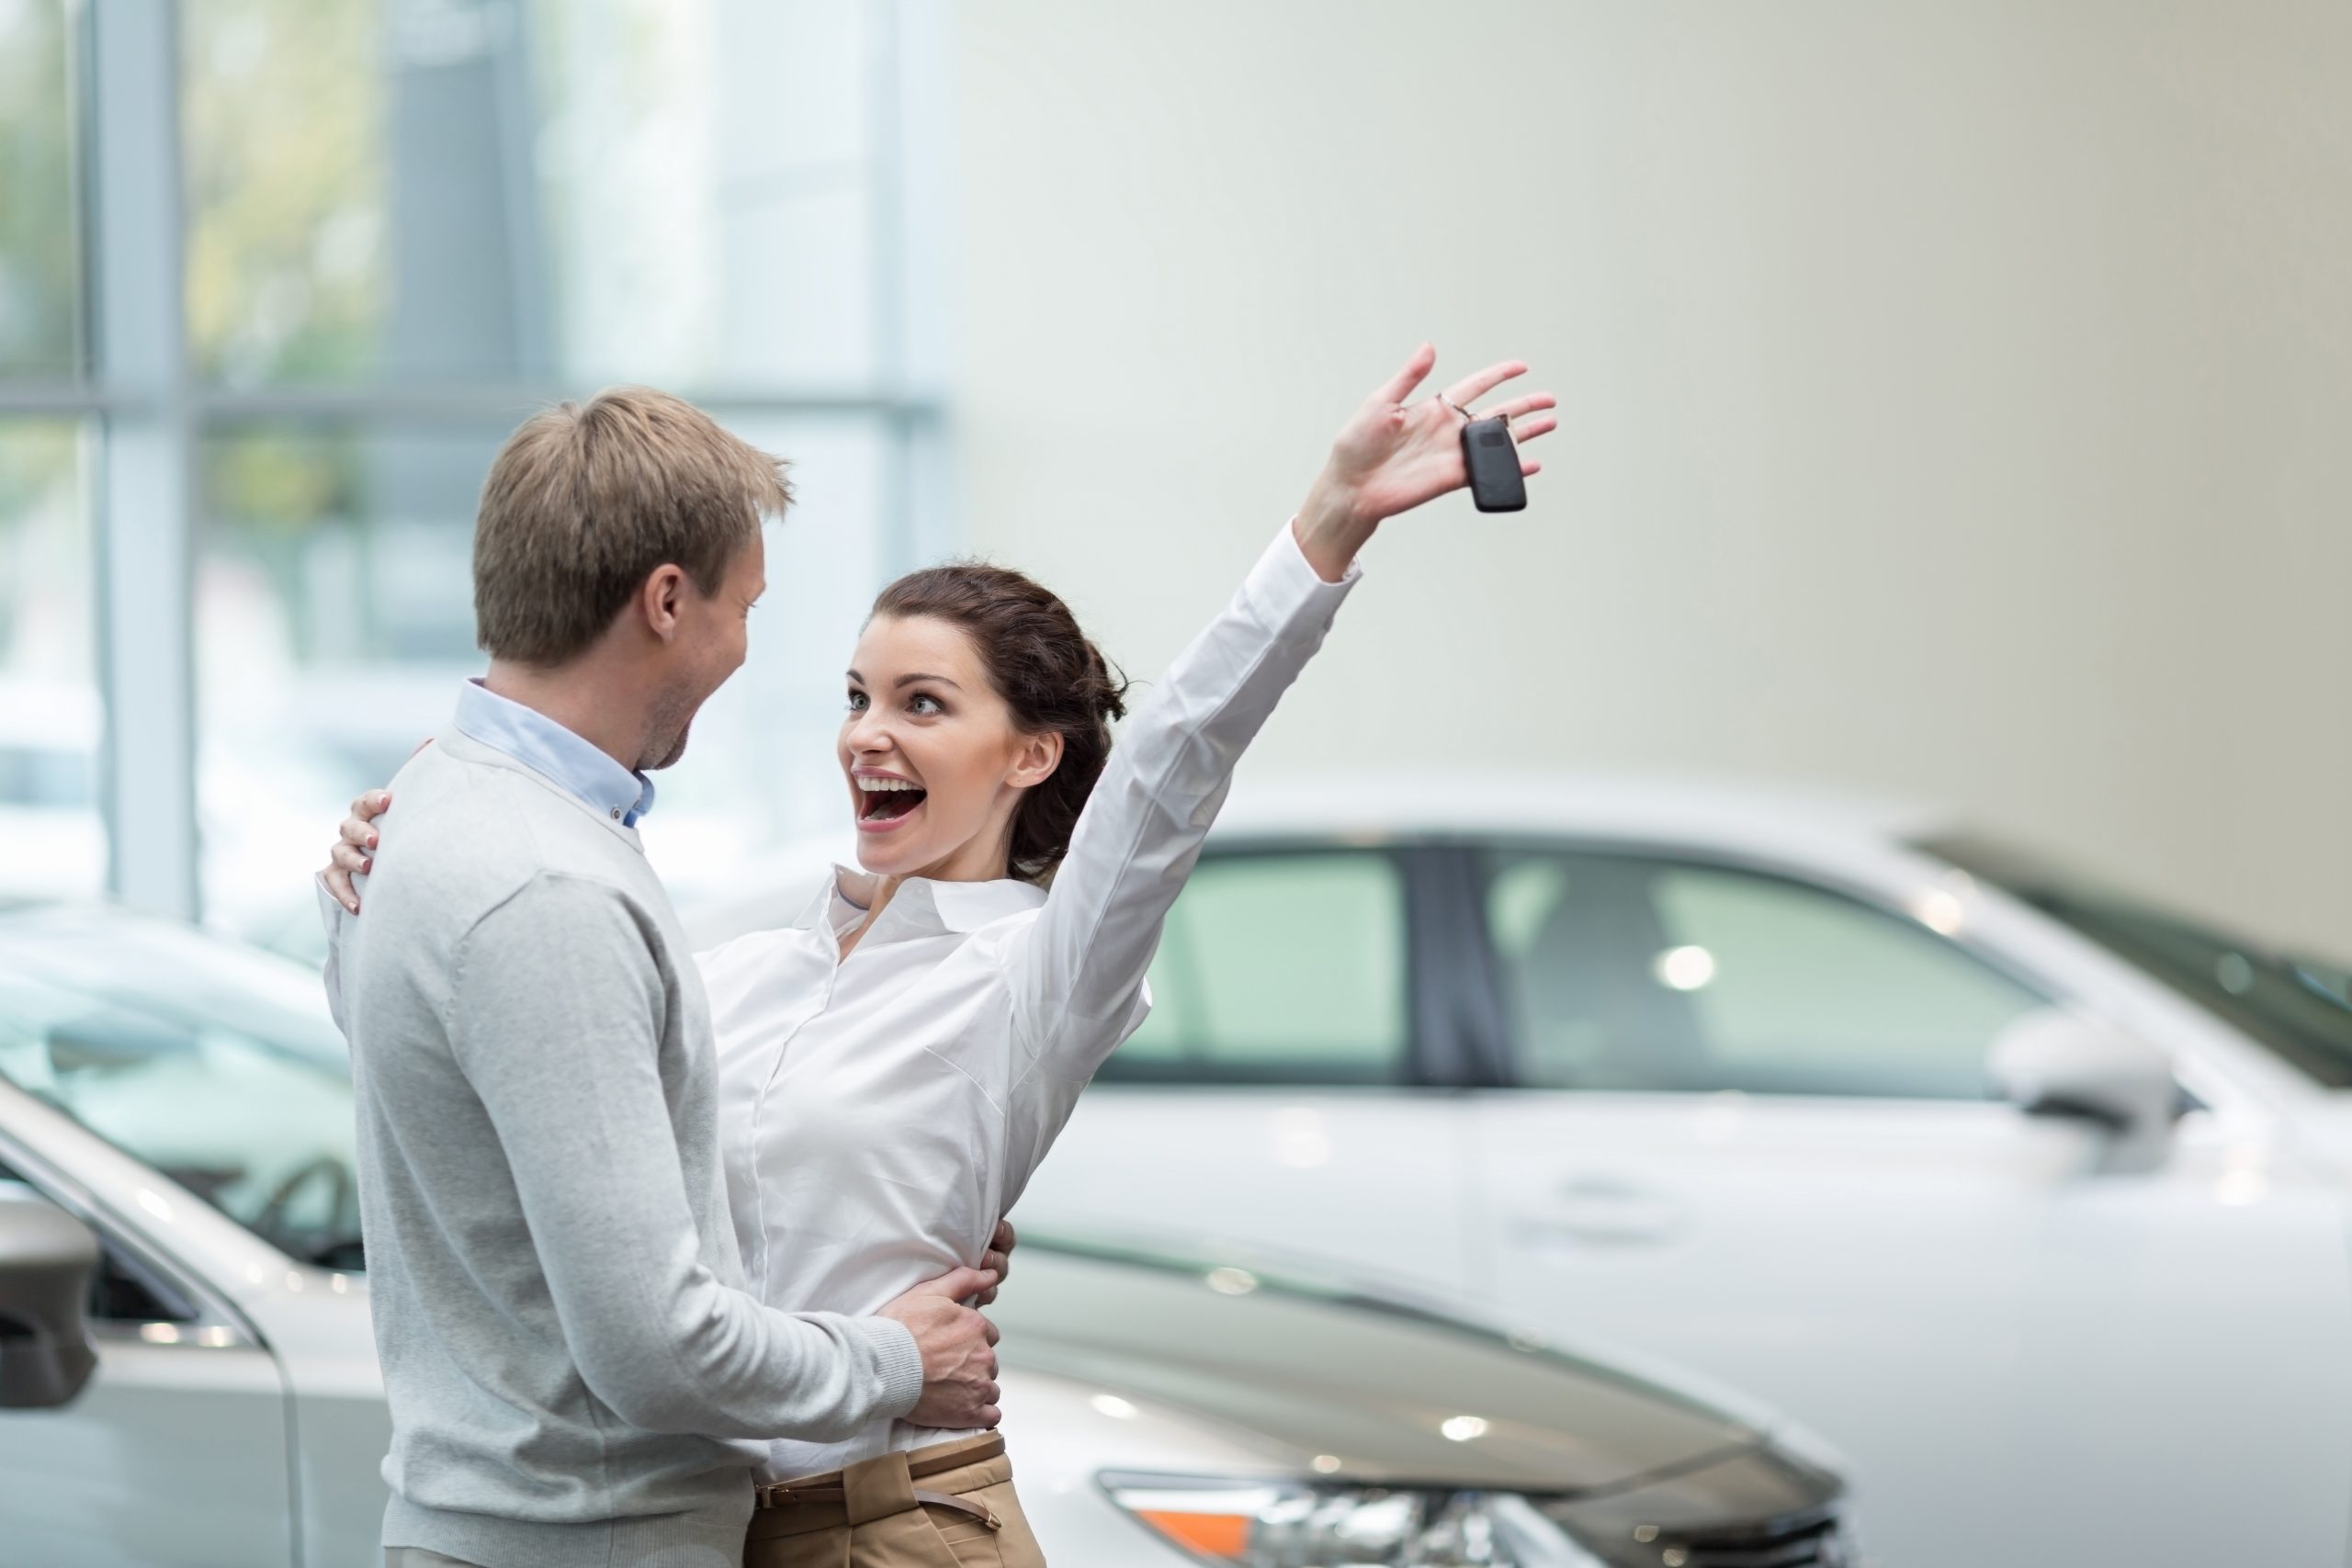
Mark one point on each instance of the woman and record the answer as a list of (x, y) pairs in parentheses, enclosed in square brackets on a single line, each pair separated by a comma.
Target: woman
[(896, 1063)]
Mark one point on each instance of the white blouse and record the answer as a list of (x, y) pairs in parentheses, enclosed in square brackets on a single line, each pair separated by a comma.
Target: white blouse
[(878, 1113)]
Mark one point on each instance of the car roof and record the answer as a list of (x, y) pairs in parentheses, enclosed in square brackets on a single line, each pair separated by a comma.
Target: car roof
[(1379, 805)]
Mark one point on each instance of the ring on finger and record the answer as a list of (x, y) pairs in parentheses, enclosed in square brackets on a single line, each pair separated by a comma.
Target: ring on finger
[(1457, 408)]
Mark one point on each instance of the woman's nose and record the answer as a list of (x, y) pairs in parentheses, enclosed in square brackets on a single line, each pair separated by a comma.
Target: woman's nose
[(868, 733)]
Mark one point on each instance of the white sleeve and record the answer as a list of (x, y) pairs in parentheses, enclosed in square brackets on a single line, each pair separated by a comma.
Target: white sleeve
[(331, 914), (1076, 972)]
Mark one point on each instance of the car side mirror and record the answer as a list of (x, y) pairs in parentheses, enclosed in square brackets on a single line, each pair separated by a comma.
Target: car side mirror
[(47, 1260), (2052, 1063)]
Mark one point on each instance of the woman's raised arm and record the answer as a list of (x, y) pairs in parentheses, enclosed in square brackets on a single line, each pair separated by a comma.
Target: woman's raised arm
[(1077, 974)]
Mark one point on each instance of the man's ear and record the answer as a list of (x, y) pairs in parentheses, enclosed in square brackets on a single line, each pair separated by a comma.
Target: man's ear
[(661, 599), (1038, 757)]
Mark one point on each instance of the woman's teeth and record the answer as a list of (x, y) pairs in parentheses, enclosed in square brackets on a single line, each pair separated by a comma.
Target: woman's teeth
[(887, 799)]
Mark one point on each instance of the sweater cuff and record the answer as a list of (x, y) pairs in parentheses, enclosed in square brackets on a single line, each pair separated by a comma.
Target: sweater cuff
[(895, 1352)]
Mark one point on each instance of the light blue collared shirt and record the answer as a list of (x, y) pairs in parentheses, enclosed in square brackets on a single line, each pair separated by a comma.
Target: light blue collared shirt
[(540, 743)]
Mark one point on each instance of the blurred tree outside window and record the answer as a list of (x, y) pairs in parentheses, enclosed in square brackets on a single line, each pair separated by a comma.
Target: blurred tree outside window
[(670, 191), (40, 254), (283, 155)]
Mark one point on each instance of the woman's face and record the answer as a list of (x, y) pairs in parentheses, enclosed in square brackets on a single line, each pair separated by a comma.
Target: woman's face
[(933, 760)]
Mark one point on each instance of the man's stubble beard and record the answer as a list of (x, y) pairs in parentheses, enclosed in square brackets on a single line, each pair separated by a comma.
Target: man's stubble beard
[(665, 741), (672, 721), (677, 748)]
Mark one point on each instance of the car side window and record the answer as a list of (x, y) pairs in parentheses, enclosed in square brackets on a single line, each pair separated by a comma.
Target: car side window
[(1278, 968), (1628, 972), (262, 1135)]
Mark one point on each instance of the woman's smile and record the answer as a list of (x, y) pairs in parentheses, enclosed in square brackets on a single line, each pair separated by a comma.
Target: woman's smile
[(884, 801)]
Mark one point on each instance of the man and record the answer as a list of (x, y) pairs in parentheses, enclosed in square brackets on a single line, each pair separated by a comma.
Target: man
[(573, 1369)]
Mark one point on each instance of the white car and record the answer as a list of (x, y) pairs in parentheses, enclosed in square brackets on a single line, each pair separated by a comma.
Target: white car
[(187, 1377), (1869, 1120)]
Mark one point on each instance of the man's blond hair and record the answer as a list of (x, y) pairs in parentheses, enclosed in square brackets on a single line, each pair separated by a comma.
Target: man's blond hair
[(587, 499)]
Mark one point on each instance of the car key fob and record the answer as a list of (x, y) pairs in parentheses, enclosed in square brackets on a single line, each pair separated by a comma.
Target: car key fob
[(1492, 458)]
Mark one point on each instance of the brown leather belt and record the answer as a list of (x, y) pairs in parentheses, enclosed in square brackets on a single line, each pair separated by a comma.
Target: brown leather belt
[(828, 1487)]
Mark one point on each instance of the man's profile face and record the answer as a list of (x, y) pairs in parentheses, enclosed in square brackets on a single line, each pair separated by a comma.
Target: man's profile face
[(713, 637)]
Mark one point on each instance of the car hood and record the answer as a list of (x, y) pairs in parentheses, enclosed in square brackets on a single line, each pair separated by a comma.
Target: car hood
[(1393, 1393)]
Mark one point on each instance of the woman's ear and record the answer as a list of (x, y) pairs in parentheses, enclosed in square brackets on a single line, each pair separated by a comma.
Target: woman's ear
[(1035, 762)]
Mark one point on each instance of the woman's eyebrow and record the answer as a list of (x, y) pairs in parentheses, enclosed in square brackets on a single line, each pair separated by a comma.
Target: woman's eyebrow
[(911, 680)]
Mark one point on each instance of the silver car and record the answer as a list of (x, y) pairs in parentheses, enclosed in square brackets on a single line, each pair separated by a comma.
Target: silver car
[(187, 1376)]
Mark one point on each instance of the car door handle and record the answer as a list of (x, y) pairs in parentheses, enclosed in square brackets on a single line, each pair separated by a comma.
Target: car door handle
[(1603, 1211)]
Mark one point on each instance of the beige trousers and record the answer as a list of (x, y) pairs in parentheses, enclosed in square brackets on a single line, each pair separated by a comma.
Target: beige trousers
[(950, 1505)]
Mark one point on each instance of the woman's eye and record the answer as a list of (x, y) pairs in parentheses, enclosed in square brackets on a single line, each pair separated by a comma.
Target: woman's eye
[(857, 701), (924, 706)]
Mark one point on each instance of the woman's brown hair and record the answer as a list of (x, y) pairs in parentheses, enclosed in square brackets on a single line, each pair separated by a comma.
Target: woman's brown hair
[(1055, 680)]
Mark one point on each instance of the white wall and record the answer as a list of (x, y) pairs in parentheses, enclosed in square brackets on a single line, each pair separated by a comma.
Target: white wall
[(1958, 398)]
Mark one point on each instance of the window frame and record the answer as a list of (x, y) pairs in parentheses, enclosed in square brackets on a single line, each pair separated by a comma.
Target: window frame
[(1682, 855)]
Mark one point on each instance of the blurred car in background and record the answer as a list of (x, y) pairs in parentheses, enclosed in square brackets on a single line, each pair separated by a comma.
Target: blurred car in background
[(2028, 1196), (177, 1196)]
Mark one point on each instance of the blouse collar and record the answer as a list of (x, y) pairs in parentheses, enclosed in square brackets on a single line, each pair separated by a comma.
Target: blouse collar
[(922, 906)]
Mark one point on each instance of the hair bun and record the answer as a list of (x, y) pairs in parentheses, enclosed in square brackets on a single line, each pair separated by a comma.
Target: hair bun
[(1112, 683)]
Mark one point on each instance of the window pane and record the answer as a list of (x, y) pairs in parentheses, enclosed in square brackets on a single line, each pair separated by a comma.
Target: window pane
[(52, 839), (333, 620), (678, 191), (39, 281), (334, 623), (1631, 974), (1278, 968), (282, 116)]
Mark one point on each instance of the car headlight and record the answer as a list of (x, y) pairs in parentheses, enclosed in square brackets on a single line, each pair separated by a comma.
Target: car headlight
[(1283, 1524)]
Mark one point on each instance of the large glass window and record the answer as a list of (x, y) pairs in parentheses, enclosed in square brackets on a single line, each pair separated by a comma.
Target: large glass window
[(1278, 968), (664, 191), (396, 228), (1627, 973), (52, 837)]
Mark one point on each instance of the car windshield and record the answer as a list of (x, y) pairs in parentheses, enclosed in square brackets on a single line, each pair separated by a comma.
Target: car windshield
[(213, 1062), (2299, 1006)]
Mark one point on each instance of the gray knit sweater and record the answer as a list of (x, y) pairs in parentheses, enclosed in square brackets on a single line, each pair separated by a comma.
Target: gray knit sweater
[(574, 1371)]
